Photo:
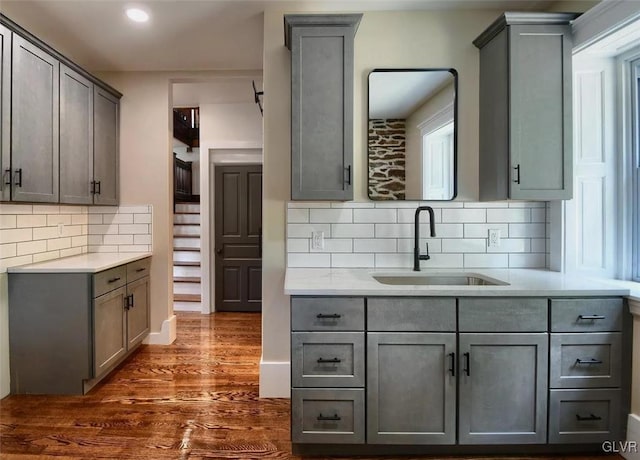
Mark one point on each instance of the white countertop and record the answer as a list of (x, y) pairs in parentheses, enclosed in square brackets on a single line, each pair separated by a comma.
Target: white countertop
[(85, 263), (522, 282)]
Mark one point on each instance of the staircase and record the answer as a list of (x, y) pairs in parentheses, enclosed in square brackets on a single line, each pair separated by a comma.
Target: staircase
[(186, 257)]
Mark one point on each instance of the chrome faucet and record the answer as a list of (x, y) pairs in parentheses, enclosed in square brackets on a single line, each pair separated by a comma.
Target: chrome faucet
[(417, 257)]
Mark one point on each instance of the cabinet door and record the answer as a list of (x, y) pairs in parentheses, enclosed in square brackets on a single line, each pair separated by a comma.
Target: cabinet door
[(540, 104), (411, 388), (5, 112), (322, 113), (106, 146), (34, 123), (137, 312), (76, 137), (109, 330), (503, 388)]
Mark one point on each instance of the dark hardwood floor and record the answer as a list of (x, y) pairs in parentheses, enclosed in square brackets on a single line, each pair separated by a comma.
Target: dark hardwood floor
[(194, 399)]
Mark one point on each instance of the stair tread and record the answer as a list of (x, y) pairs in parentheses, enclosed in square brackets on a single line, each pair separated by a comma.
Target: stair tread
[(186, 212), (182, 248), (177, 263), (186, 236), (181, 224), (186, 279), (187, 297)]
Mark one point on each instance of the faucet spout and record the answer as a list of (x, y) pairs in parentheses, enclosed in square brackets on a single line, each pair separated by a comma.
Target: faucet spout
[(417, 257)]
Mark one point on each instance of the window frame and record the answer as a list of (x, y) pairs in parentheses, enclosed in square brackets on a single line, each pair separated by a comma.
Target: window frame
[(634, 88)]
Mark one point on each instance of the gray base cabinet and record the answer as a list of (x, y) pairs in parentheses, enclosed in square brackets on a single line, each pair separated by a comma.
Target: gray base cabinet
[(525, 107), (68, 331), (470, 375), (321, 105)]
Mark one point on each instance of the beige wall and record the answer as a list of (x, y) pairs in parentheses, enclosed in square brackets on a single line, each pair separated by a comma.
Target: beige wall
[(384, 39)]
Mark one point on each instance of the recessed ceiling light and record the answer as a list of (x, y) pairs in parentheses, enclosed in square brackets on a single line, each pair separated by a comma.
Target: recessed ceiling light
[(137, 14)]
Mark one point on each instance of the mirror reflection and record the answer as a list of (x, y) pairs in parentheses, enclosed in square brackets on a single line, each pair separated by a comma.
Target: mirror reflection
[(412, 134)]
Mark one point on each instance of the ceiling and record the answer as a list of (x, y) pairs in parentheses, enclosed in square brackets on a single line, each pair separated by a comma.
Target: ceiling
[(186, 34)]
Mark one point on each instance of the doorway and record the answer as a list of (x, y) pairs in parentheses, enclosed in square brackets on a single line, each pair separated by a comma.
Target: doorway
[(238, 237)]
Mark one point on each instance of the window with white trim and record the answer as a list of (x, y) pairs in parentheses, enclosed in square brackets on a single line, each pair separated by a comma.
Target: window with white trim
[(635, 166)]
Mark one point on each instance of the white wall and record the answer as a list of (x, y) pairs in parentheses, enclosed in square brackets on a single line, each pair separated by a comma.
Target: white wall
[(385, 39)]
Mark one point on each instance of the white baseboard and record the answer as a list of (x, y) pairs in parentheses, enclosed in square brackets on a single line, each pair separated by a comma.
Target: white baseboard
[(633, 435), (275, 379), (167, 334)]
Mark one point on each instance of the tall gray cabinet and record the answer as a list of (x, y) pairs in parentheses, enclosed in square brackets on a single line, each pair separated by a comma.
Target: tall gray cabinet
[(60, 126), (321, 105), (525, 107)]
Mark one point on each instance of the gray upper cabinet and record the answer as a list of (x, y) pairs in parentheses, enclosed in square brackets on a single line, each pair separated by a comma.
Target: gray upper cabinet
[(5, 112), (34, 123), (106, 142), (525, 107), (321, 105), (76, 137)]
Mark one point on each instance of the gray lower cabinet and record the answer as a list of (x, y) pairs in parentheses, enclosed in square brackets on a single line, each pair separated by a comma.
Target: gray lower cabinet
[(34, 123), (5, 113), (503, 388), (68, 330), (525, 107), (321, 105)]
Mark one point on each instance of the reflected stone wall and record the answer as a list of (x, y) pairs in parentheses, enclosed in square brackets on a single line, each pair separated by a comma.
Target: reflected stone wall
[(386, 159)]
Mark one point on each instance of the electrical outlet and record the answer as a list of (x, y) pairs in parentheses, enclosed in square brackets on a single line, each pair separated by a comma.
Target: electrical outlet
[(494, 238), (60, 229), (317, 241)]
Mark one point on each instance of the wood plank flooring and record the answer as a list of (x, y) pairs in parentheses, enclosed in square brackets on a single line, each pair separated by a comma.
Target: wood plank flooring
[(195, 399)]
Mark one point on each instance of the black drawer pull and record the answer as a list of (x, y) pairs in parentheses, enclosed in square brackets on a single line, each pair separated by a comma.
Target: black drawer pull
[(140, 270), (452, 364), (467, 365), (332, 418), (7, 173), (113, 280), (332, 360), (330, 316), (591, 317), (588, 361), (589, 418)]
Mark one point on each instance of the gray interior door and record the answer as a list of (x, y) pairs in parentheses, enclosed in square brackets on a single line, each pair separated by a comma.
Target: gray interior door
[(411, 388), (76, 137), (34, 123), (5, 112), (503, 388), (106, 144), (238, 238)]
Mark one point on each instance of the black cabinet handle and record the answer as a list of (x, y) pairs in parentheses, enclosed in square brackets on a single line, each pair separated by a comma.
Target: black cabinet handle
[(330, 316), (452, 364), (348, 168), (332, 418), (588, 418), (332, 360), (93, 187), (7, 173), (467, 366), (591, 317), (126, 302), (588, 361), (19, 174), (517, 179), (138, 270), (98, 187), (113, 280), (132, 304)]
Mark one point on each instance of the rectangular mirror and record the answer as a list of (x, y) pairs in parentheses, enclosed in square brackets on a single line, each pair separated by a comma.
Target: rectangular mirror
[(412, 132)]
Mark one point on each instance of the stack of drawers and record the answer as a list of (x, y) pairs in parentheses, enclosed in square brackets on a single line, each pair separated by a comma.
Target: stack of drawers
[(327, 370), (586, 367)]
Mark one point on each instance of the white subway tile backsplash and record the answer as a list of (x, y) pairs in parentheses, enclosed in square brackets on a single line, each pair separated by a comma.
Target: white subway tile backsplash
[(46, 209), (330, 216), (133, 229), (117, 218), (482, 230), (308, 204), (392, 231), (142, 239), (464, 245), (352, 260), (380, 245), (336, 245), (103, 209), (103, 248), (43, 256), (486, 204), (538, 215), (509, 245), (16, 209), (134, 248), (58, 243), (57, 219), (486, 260), (7, 221), (94, 240), (373, 216), (352, 230), (118, 239), (317, 260), (70, 252), (405, 245), (94, 219), (353, 205), (464, 215), (142, 219), (407, 216), (134, 210), (304, 230), (16, 235), (296, 215), (297, 245), (444, 231), (8, 250), (80, 241), (103, 229), (538, 245), (527, 260), (509, 215), (31, 220), (79, 219), (45, 233), (527, 230), (32, 247), (13, 261)]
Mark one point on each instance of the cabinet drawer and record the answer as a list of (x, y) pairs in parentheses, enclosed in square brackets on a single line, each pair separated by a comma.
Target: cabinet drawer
[(327, 416), (138, 269), (585, 360), (327, 359), (484, 314), (327, 314), (109, 280), (428, 314), (584, 416), (586, 315)]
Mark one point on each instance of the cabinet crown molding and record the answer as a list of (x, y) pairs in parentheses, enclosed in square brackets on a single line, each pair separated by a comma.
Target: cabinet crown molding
[(318, 20), (513, 18)]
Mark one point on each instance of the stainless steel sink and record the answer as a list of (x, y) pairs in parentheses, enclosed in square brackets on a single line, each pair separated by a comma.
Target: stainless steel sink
[(453, 279)]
